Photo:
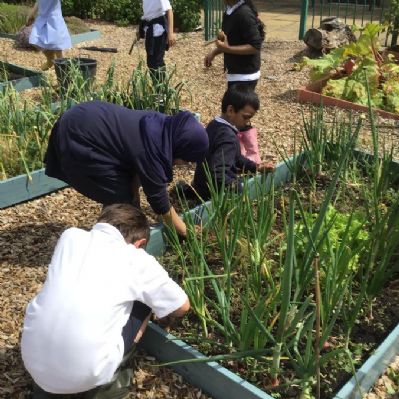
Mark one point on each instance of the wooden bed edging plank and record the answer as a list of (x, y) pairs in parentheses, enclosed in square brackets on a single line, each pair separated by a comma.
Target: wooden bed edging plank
[(371, 370), (21, 188), (30, 77), (85, 36), (93, 34), (211, 377), (312, 94)]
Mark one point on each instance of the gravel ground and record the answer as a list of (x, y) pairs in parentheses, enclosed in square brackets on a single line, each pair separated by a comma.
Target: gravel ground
[(28, 232)]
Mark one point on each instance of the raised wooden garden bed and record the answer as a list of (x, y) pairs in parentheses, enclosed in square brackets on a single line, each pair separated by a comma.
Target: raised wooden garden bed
[(211, 377), (219, 382), (24, 188), (21, 78), (234, 222), (312, 94), (77, 38)]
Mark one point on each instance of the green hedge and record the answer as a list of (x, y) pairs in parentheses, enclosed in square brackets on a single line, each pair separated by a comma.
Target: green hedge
[(186, 14), (124, 12)]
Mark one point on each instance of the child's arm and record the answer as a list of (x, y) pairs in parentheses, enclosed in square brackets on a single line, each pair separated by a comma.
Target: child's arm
[(173, 219), (32, 14), (180, 312), (223, 161), (170, 320), (246, 165), (210, 56), (242, 49), (171, 35)]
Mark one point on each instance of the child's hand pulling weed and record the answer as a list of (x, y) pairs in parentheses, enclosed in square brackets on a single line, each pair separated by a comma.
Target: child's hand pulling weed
[(266, 167)]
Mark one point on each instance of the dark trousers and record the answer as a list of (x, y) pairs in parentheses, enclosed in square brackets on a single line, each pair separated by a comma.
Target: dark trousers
[(251, 84), (155, 48), (137, 316)]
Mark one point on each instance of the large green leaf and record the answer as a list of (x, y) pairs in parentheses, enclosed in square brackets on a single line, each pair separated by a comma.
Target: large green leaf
[(321, 67), (335, 87), (391, 90)]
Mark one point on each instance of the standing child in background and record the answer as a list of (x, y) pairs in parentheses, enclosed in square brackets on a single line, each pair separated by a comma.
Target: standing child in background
[(157, 28), (224, 158), (49, 32), (243, 34), (100, 289)]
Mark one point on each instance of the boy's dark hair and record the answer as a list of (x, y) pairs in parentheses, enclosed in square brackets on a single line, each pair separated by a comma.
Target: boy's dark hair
[(129, 220), (259, 23), (239, 96)]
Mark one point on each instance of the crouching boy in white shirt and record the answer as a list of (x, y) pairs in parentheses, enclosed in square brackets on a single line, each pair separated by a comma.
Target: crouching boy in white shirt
[(96, 301)]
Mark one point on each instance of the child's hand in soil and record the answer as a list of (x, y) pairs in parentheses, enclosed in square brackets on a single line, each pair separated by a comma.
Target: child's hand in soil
[(167, 322), (266, 166), (197, 229)]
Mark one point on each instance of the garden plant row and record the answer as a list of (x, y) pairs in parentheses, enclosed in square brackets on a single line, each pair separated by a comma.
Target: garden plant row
[(284, 281), (287, 283)]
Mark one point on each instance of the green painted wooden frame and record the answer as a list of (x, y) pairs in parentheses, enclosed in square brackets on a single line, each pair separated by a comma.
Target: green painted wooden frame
[(93, 34), (29, 79)]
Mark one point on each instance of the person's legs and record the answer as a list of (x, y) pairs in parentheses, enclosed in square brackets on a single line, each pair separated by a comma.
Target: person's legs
[(155, 48), (49, 54), (136, 325), (58, 54), (105, 189)]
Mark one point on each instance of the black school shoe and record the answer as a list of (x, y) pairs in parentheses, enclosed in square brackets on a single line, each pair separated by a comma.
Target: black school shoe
[(118, 388)]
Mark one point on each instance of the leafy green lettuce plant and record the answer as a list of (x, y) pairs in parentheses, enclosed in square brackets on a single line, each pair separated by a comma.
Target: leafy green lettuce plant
[(347, 68)]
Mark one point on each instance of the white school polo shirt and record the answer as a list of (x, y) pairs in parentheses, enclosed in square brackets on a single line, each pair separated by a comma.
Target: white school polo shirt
[(155, 8), (71, 339)]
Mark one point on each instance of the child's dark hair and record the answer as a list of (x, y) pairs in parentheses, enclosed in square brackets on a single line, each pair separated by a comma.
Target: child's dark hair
[(260, 24), (240, 95), (129, 220)]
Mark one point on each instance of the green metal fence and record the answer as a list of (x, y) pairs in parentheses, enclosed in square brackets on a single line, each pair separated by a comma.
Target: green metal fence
[(357, 12), (213, 12)]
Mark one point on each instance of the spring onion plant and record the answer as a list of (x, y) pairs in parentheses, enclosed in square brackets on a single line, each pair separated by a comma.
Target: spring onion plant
[(26, 125), (287, 287)]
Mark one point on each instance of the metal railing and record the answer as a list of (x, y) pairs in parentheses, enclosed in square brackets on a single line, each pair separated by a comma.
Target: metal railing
[(213, 13), (352, 12)]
